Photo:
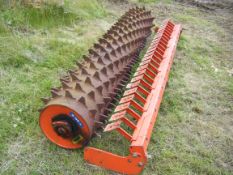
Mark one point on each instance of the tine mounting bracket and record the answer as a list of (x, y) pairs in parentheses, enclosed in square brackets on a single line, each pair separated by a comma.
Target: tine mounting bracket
[(141, 101)]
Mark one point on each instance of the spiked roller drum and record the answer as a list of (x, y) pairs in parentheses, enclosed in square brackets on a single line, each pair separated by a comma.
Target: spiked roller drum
[(80, 106)]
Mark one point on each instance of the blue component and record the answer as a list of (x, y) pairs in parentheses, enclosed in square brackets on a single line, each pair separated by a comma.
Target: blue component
[(76, 119)]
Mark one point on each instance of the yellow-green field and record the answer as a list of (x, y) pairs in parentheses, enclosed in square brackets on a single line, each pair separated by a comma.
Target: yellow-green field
[(194, 129)]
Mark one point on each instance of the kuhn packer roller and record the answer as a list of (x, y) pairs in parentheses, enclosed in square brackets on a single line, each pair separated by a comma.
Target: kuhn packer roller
[(82, 105)]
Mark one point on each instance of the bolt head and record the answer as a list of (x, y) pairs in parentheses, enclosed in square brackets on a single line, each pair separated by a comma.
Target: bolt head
[(135, 154), (140, 164)]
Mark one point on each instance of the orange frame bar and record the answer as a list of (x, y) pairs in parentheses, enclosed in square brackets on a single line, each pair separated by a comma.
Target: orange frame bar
[(136, 160)]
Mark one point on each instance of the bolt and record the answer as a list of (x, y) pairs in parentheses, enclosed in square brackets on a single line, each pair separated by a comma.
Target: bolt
[(62, 128), (140, 164), (135, 154)]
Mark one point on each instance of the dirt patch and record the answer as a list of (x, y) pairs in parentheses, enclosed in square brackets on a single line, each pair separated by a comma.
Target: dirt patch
[(210, 4)]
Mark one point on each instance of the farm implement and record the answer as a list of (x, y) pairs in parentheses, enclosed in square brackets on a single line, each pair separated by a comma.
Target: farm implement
[(87, 103)]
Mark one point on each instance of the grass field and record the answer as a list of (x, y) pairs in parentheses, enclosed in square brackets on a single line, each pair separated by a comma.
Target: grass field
[(194, 129)]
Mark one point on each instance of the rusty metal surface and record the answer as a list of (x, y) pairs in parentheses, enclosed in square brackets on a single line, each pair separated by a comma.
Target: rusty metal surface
[(90, 88)]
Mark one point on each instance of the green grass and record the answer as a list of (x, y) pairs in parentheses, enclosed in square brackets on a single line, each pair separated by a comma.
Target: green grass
[(154, 1), (51, 15), (192, 134), (28, 56)]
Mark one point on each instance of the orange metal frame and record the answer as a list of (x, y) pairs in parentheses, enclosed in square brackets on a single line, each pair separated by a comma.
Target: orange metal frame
[(144, 93)]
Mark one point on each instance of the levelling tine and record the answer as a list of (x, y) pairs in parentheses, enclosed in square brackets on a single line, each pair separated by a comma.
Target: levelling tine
[(141, 101)]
